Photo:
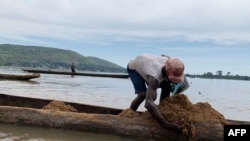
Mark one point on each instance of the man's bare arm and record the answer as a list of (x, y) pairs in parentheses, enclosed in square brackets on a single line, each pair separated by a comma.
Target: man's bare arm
[(151, 95)]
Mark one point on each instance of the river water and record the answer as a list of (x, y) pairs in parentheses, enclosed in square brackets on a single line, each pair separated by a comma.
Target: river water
[(229, 97)]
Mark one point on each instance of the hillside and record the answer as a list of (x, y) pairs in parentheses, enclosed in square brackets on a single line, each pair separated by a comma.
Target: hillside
[(46, 57)]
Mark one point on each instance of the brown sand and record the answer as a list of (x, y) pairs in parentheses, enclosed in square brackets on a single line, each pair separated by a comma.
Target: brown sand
[(179, 109), (59, 106)]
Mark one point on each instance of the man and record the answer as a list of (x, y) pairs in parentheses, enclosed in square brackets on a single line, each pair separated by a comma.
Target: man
[(72, 68), (156, 72)]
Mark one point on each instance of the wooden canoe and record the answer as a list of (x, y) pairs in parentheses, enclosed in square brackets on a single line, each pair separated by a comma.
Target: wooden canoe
[(19, 76), (80, 73), (30, 111)]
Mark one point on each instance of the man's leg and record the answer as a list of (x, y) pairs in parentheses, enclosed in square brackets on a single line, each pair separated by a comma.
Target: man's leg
[(139, 86), (137, 101)]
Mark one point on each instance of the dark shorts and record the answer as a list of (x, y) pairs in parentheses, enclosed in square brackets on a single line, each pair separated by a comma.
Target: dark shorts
[(138, 82)]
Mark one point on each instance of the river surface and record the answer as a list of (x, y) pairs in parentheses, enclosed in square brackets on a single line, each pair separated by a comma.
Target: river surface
[(229, 97)]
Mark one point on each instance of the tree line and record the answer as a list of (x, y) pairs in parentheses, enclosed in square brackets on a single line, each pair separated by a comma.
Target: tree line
[(219, 75)]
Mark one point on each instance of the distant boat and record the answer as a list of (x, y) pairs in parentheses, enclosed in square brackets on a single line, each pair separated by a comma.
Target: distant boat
[(19, 76), (81, 73)]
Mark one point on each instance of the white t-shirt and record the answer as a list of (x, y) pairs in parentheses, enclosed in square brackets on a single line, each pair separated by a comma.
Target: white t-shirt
[(147, 64)]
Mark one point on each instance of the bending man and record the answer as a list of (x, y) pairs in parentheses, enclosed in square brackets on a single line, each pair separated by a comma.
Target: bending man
[(148, 73)]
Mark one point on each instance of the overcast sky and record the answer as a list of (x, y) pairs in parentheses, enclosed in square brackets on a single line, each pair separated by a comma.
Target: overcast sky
[(208, 35)]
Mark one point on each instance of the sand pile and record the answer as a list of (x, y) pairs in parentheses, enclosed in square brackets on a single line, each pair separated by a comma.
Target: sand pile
[(59, 106), (179, 108)]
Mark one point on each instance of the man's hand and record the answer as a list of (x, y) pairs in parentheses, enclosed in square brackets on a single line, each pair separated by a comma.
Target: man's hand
[(175, 127), (172, 126)]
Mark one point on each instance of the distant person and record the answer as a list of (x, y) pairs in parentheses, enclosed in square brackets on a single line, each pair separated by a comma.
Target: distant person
[(148, 73), (73, 68)]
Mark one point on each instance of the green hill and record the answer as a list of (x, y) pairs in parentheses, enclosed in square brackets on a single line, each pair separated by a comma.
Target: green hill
[(46, 57)]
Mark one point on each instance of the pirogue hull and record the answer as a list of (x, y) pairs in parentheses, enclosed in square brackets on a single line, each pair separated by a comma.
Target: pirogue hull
[(29, 111), (82, 73), (19, 76)]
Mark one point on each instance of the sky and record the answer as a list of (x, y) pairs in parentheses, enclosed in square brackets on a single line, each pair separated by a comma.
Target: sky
[(207, 35)]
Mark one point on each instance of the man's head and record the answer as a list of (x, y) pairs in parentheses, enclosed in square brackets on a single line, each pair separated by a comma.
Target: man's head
[(175, 70)]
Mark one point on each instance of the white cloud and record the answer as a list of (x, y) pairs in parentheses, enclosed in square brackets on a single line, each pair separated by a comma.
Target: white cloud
[(95, 21)]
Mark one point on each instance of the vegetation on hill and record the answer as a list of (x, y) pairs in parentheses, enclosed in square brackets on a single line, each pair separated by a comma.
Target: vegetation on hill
[(46, 57)]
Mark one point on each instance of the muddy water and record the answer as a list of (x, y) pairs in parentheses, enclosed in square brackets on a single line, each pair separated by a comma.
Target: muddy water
[(28, 133)]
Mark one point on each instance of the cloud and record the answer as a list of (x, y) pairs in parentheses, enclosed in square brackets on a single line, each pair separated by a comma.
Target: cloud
[(138, 21)]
